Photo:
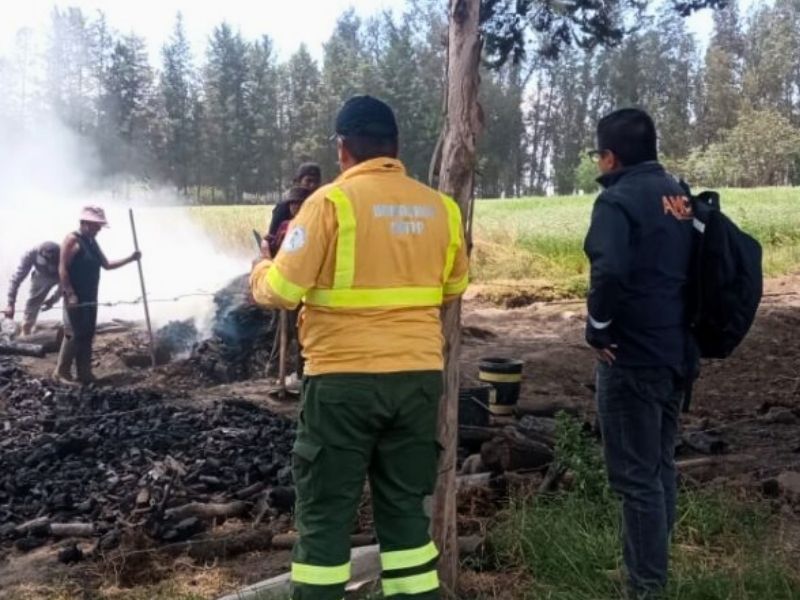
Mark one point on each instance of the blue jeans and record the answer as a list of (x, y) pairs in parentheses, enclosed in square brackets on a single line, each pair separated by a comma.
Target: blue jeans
[(639, 410)]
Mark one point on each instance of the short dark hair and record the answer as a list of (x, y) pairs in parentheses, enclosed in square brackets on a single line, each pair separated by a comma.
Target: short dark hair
[(630, 134), (311, 169), (363, 148)]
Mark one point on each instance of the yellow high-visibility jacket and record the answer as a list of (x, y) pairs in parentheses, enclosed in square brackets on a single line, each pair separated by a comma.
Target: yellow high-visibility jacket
[(372, 256)]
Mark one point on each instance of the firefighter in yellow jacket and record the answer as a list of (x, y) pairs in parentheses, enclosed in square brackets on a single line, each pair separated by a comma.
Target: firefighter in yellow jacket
[(373, 256)]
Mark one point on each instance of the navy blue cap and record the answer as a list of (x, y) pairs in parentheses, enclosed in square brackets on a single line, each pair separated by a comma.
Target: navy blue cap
[(366, 116)]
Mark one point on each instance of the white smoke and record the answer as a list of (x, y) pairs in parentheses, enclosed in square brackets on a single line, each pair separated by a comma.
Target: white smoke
[(48, 173)]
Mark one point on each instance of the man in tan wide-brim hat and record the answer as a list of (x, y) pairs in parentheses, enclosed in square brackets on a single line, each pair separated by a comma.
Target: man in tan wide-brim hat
[(79, 273)]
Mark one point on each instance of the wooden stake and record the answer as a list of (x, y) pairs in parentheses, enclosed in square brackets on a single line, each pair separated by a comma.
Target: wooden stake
[(144, 291), (283, 326)]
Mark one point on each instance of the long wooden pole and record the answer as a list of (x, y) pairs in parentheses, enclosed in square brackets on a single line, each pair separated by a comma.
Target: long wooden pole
[(283, 333), (456, 177), (144, 291)]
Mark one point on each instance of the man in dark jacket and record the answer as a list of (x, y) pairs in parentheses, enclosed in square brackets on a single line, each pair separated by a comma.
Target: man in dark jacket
[(639, 244)]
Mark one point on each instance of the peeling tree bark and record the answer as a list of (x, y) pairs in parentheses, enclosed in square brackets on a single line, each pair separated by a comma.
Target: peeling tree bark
[(462, 123)]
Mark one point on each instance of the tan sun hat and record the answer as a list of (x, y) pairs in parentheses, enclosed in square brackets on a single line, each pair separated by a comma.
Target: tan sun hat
[(94, 214)]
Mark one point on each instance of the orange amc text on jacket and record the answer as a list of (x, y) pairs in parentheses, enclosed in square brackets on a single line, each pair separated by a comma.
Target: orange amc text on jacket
[(372, 256)]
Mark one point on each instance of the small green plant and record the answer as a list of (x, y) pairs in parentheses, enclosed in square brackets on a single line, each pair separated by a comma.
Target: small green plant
[(577, 453)]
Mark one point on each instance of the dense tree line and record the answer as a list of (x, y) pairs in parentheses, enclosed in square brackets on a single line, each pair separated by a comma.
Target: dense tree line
[(233, 122)]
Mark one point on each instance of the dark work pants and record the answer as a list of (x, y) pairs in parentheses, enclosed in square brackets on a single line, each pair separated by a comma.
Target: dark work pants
[(354, 427), (639, 410), (80, 325)]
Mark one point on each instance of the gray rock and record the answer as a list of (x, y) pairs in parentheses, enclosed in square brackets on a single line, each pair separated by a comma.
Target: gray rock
[(780, 415), (789, 482)]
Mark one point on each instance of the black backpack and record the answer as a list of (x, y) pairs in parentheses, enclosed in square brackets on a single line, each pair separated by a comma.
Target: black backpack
[(726, 281)]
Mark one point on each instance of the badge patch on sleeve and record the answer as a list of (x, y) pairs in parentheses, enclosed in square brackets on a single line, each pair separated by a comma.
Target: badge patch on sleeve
[(295, 239)]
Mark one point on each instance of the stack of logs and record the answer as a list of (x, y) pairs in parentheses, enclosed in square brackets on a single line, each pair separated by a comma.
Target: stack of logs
[(528, 444)]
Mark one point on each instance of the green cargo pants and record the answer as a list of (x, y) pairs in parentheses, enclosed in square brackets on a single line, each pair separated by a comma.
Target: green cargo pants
[(357, 425)]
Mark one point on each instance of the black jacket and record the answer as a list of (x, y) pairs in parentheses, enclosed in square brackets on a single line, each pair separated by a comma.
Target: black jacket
[(640, 245)]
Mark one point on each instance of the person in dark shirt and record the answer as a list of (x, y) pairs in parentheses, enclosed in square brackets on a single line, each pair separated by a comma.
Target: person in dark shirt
[(308, 177), (79, 272), (290, 205), (639, 244)]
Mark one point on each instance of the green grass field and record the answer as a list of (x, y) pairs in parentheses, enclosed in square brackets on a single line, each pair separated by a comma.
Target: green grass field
[(541, 239)]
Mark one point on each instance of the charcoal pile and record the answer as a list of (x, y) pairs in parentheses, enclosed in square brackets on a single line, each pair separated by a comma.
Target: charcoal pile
[(100, 462), (173, 341), (242, 337), (241, 344), (177, 337)]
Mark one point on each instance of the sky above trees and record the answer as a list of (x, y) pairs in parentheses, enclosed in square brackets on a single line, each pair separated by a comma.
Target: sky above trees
[(288, 23)]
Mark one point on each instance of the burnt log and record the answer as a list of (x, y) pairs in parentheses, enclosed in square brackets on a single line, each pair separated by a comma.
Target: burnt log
[(286, 541), (207, 510), (250, 491), (548, 407), (472, 434), (704, 442), (36, 524), (540, 429), (49, 339), (710, 467), (63, 530), (555, 473), (70, 555), (226, 546), (512, 451), (22, 349)]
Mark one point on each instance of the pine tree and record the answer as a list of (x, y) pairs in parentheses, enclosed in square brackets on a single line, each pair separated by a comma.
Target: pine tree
[(500, 161), (128, 110), (571, 79), (770, 62), (403, 88), (346, 69), (667, 59), (101, 44), (722, 82), (304, 140), (229, 122), (539, 126), (68, 69), (176, 91), (262, 99)]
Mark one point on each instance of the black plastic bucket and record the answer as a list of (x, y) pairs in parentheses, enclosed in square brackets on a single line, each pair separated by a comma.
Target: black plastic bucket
[(505, 375), (474, 404)]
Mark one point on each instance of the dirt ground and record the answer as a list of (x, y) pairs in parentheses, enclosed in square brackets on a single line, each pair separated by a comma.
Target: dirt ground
[(739, 399), (733, 397)]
